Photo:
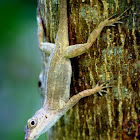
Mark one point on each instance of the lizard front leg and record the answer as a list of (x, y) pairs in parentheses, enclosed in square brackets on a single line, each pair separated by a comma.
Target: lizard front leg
[(74, 99), (78, 49)]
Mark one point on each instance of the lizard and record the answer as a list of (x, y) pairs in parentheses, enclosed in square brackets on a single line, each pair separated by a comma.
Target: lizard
[(56, 78)]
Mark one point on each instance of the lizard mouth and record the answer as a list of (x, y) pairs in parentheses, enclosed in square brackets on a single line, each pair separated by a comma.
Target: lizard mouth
[(27, 132), (28, 138)]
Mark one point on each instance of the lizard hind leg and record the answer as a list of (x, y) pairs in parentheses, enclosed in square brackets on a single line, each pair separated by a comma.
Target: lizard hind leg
[(47, 47), (43, 46), (40, 30)]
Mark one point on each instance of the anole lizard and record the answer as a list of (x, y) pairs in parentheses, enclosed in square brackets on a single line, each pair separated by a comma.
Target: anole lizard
[(56, 76)]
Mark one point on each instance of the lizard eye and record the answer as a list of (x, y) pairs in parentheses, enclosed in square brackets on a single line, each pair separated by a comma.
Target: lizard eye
[(32, 123)]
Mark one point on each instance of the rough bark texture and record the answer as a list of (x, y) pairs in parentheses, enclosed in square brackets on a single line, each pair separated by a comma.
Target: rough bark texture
[(114, 56)]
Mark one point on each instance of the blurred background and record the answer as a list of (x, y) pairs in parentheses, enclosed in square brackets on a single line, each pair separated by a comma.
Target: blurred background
[(20, 65)]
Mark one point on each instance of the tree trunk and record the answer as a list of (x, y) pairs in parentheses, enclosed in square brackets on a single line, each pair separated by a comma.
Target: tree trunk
[(113, 57)]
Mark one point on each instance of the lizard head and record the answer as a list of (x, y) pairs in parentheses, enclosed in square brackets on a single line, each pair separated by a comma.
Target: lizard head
[(40, 123)]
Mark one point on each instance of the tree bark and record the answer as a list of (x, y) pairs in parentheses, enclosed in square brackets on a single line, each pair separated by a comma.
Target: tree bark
[(113, 57)]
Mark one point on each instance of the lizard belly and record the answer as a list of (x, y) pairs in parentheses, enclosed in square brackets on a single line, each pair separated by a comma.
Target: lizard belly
[(58, 82)]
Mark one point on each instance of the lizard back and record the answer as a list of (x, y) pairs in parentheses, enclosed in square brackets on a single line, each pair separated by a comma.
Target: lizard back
[(59, 73)]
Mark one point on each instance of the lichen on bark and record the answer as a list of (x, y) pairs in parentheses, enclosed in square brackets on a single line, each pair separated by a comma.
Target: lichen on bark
[(114, 56)]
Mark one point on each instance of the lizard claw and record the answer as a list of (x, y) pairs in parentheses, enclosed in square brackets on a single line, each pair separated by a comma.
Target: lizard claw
[(99, 83), (104, 83), (104, 91), (100, 93), (111, 22), (102, 87)]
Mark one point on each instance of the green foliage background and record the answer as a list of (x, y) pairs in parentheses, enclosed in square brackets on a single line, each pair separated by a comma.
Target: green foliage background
[(20, 64)]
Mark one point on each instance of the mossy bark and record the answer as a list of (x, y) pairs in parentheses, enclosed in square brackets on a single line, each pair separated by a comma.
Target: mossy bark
[(113, 57)]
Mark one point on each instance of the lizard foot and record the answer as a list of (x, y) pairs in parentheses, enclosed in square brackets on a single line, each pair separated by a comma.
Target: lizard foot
[(102, 87), (111, 21)]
